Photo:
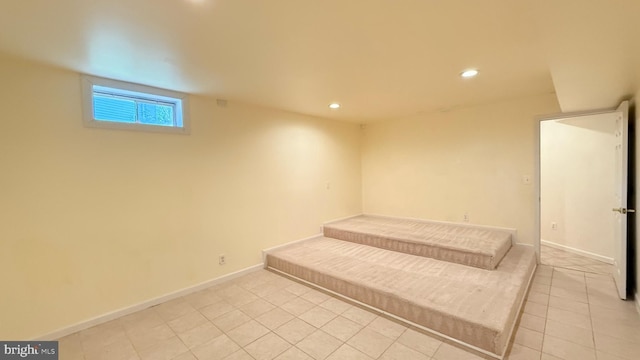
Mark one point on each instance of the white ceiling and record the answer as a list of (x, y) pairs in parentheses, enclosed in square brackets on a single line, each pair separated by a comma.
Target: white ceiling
[(379, 58)]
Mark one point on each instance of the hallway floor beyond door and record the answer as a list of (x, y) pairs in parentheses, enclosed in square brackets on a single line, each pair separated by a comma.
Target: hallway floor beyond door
[(568, 260)]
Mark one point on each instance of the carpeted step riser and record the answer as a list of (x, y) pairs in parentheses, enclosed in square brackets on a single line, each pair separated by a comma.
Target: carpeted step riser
[(475, 306), (412, 248), (471, 246), (472, 334)]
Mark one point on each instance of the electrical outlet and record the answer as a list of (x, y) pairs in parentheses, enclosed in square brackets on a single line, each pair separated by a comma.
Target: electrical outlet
[(465, 217), (222, 259), (554, 226)]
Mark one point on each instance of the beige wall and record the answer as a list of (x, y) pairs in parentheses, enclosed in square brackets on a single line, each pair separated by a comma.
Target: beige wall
[(97, 220), (441, 166), (577, 181)]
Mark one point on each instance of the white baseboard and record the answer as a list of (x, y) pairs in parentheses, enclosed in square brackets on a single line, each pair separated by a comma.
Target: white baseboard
[(337, 220), (145, 304), (584, 253), (341, 219), (529, 245), (265, 251)]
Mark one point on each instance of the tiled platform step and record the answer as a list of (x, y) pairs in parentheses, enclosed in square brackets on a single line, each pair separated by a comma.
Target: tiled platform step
[(474, 306), (479, 247)]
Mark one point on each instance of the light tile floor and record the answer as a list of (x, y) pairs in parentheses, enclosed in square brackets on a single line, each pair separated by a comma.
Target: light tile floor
[(568, 315), (564, 259)]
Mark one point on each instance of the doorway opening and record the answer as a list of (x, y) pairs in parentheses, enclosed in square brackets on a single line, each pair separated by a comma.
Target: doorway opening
[(582, 178)]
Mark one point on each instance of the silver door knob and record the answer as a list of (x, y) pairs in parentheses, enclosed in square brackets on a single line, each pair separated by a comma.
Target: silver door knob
[(624, 210)]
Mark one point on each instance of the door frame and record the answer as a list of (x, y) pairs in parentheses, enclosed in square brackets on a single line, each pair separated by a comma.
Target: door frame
[(537, 200)]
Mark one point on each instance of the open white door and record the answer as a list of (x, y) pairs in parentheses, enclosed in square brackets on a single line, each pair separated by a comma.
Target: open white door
[(620, 199)]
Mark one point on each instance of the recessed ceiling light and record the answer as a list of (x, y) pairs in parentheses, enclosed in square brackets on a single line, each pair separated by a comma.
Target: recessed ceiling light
[(334, 106), (469, 73)]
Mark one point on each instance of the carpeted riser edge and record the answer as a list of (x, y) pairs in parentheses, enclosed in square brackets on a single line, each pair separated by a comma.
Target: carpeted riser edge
[(440, 253), (491, 340)]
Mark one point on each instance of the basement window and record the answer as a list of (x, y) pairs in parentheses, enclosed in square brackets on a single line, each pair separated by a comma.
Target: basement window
[(115, 104)]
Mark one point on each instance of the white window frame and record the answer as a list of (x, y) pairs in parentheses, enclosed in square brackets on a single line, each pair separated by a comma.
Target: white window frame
[(87, 106)]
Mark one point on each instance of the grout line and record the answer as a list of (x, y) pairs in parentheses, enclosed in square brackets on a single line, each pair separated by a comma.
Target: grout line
[(589, 315), (586, 289), (546, 315), (593, 330)]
